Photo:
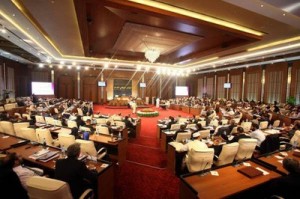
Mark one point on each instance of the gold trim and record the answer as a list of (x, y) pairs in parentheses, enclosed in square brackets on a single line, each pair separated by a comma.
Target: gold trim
[(274, 43), (199, 16)]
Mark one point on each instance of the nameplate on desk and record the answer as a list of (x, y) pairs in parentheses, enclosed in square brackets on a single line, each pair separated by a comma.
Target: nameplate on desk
[(20, 143)]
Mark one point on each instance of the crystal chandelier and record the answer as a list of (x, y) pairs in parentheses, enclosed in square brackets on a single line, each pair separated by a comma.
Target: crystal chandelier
[(152, 55)]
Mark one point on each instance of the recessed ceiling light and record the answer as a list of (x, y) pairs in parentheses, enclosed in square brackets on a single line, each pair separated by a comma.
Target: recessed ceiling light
[(41, 65), (283, 14), (78, 67), (261, 5), (69, 67), (50, 66), (86, 68), (60, 66), (62, 62)]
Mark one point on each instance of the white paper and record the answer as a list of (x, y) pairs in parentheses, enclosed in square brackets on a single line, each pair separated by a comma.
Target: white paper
[(264, 172), (214, 173), (247, 164)]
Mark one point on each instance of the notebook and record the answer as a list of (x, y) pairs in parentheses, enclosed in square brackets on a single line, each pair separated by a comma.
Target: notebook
[(250, 172)]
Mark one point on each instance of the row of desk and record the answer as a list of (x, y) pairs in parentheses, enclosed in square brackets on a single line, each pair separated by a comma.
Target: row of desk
[(105, 170), (230, 183), (186, 109)]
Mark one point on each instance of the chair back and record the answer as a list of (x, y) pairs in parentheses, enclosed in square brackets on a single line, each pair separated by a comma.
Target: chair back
[(49, 120), (246, 126), (19, 126), (276, 123), (199, 160), (183, 136), (214, 123), (270, 144), (227, 154), (85, 118), (191, 126), (79, 111), (120, 124), (39, 119), (44, 134), (65, 140), (296, 139), (72, 124), (2, 108), (224, 121), (8, 107), (29, 134), (246, 148), (204, 133), (203, 123), (182, 120), (7, 127), (263, 125), (47, 188), (27, 116), (237, 120), (87, 147), (175, 127), (102, 130), (101, 121)]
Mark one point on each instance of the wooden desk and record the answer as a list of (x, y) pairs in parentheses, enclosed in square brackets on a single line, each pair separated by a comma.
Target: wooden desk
[(175, 107), (165, 139), (7, 141), (274, 160), (228, 183), (175, 160), (195, 111), (105, 174), (116, 150), (185, 109)]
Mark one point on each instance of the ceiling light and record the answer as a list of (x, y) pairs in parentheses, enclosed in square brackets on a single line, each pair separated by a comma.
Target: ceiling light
[(138, 67), (116, 66), (69, 67), (73, 63), (3, 30), (62, 62), (60, 66), (106, 65), (86, 68), (41, 65), (50, 66), (78, 67), (152, 55)]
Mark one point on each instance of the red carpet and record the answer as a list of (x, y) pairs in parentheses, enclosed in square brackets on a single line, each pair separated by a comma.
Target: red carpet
[(144, 175)]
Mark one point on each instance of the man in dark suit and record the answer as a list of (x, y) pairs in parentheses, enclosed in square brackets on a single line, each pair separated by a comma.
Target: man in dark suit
[(75, 172), (286, 186), (239, 135)]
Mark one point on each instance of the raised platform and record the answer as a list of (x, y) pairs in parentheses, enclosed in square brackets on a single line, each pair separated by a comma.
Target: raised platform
[(125, 107)]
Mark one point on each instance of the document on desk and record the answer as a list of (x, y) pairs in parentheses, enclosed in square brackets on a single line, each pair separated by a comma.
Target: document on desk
[(263, 171), (169, 132), (214, 173)]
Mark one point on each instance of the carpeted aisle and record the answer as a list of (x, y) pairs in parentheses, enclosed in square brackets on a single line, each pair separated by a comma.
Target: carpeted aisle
[(144, 174)]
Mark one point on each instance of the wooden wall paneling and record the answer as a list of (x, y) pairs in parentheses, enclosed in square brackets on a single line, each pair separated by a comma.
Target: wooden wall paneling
[(295, 68), (89, 88), (240, 73), (210, 76), (221, 74), (65, 86), (253, 70), (276, 67)]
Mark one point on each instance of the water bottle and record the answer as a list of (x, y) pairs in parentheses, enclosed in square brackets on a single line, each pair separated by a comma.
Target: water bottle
[(119, 136)]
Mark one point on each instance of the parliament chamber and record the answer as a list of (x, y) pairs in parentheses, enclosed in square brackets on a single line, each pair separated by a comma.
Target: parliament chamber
[(149, 99)]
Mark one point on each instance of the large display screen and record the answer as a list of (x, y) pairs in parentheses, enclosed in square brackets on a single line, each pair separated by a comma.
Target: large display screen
[(182, 91), (142, 85), (227, 85), (42, 88), (101, 84)]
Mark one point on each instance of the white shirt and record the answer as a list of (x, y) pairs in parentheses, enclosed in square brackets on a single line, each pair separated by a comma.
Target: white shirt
[(259, 135), (23, 174)]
